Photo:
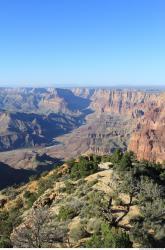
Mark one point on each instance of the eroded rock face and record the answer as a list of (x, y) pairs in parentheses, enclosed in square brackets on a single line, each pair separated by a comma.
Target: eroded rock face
[(41, 100), (109, 118), (148, 140), (19, 130), (128, 102), (137, 123)]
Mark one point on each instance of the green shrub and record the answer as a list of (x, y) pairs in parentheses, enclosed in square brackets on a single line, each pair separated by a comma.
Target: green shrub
[(19, 203), (91, 207), (94, 242), (109, 238), (118, 201), (80, 182), (44, 184), (92, 183), (8, 220), (126, 162), (30, 198), (83, 168), (66, 213), (82, 191), (93, 225), (69, 187), (116, 156), (95, 158), (78, 232), (106, 158), (10, 192), (5, 242)]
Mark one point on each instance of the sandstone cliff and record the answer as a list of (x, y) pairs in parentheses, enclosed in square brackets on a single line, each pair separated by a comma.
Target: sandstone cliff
[(137, 123), (148, 140), (129, 102)]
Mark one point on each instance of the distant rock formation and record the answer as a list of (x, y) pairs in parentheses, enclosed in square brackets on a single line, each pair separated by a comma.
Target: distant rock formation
[(111, 118), (20, 130), (148, 140)]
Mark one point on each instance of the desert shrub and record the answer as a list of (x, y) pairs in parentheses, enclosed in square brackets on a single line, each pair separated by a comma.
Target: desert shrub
[(30, 197), (69, 187), (27, 194), (92, 183), (162, 176), (40, 233), (94, 225), (140, 234), (54, 177), (80, 182), (18, 203), (92, 204), (125, 162), (116, 156), (70, 209), (77, 232), (56, 233), (10, 192), (109, 238), (106, 158), (94, 242), (66, 213), (70, 162), (95, 158), (8, 220), (44, 184), (5, 242), (82, 190), (118, 201), (5, 225), (83, 168)]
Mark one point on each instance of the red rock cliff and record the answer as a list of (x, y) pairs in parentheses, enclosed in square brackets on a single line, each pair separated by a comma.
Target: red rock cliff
[(148, 140)]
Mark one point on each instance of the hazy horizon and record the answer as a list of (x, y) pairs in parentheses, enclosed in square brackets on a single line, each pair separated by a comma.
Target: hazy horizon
[(118, 86)]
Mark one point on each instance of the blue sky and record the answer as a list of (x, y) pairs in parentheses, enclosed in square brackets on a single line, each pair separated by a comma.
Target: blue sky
[(82, 42)]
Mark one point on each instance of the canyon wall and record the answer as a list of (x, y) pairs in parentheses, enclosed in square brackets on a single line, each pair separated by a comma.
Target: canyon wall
[(148, 139), (136, 122), (100, 120)]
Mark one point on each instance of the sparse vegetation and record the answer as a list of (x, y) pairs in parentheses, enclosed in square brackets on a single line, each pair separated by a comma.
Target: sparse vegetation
[(83, 168), (8, 221), (66, 213), (109, 238), (94, 206), (78, 232), (30, 198)]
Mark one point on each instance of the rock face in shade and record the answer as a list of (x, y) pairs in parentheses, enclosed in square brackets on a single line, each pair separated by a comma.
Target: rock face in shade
[(19, 130)]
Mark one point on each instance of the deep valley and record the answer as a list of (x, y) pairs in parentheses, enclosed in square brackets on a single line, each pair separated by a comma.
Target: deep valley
[(64, 123)]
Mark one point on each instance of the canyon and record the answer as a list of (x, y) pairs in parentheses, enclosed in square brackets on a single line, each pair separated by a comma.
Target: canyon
[(64, 123)]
